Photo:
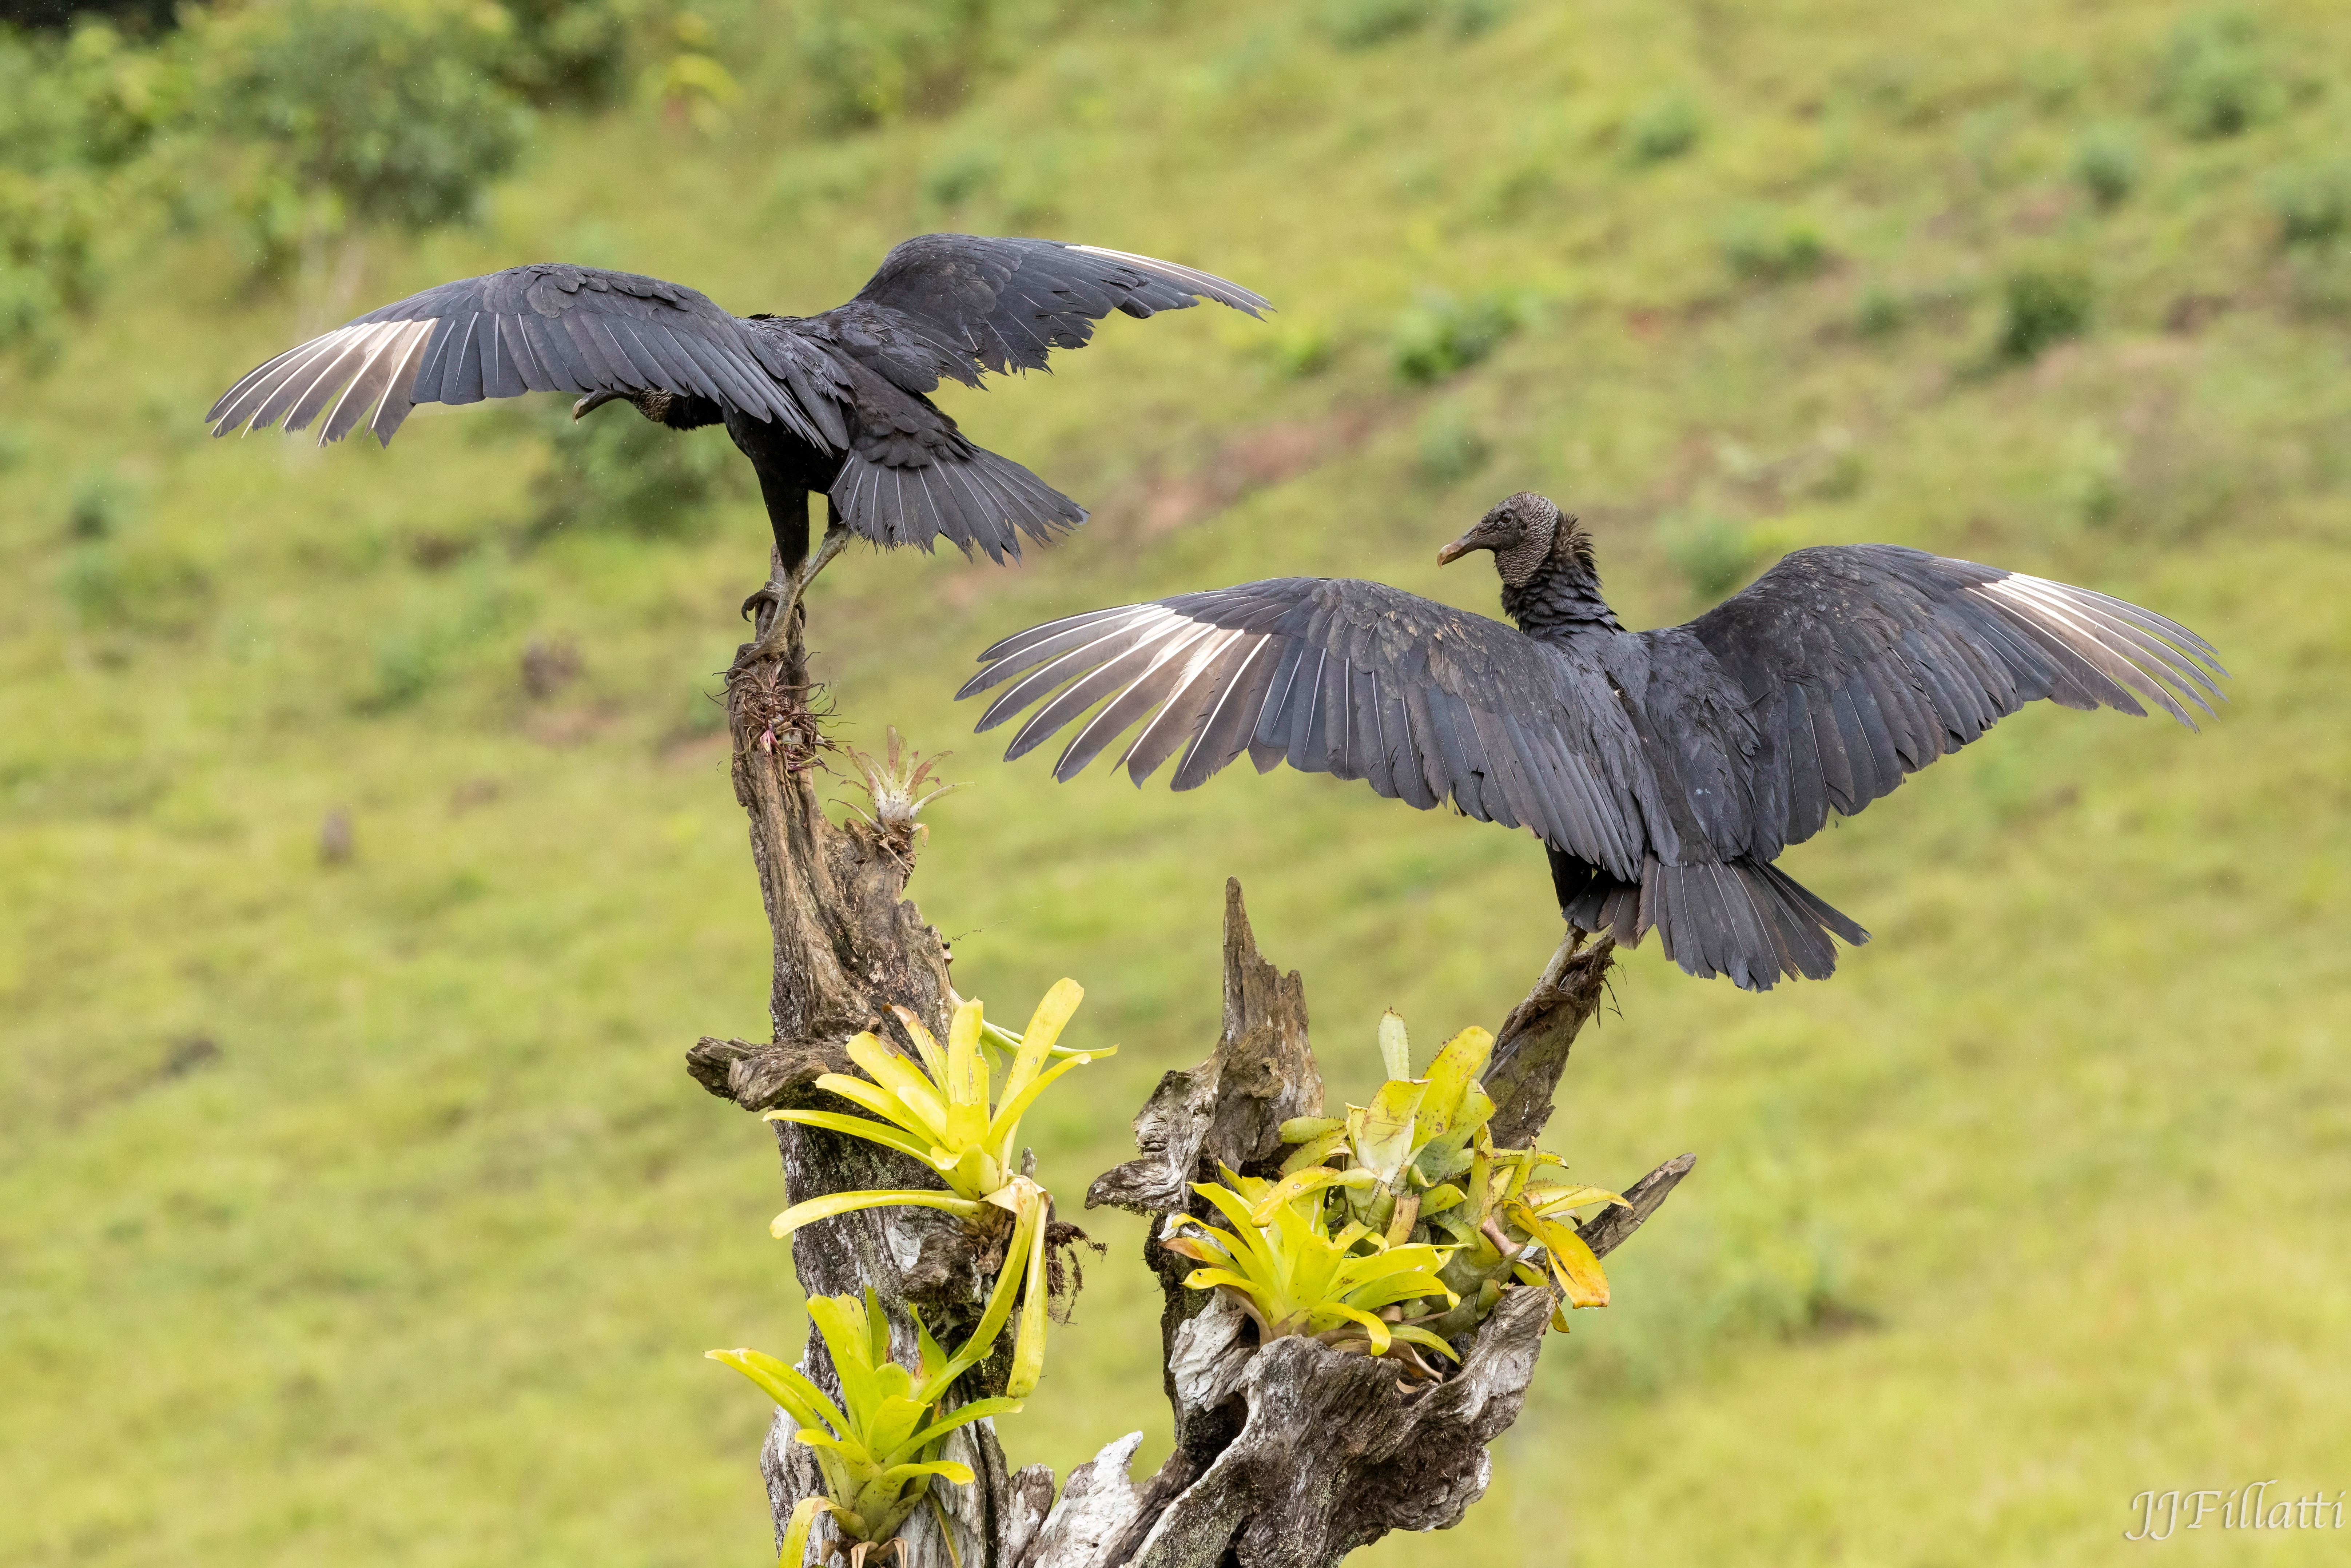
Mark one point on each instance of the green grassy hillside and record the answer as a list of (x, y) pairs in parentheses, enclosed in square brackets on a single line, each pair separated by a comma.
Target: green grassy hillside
[(362, 1212)]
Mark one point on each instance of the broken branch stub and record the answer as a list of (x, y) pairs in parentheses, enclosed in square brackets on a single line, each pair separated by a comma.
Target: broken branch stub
[(1230, 1109), (1531, 1047)]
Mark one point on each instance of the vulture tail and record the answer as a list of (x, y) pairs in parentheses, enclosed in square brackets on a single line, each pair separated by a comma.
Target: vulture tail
[(1592, 900), (972, 500), (1743, 918)]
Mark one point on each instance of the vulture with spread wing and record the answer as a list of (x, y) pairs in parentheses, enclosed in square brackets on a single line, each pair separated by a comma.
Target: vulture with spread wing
[(834, 402), (1665, 770)]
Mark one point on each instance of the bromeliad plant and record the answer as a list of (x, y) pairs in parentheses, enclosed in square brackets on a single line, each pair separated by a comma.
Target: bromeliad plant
[(1281, 1264), (938, 1114), (879, 1447), (895, 781), (1418, 1167)]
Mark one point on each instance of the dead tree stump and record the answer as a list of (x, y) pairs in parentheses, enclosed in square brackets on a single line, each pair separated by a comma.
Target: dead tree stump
[(1287, 1456)]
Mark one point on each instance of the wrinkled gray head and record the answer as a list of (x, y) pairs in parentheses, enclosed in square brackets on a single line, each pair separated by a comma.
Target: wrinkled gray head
[(1523, 531)]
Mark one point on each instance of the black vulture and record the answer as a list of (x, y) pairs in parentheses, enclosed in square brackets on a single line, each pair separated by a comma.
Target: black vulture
[(833, 402), (1665, 770)]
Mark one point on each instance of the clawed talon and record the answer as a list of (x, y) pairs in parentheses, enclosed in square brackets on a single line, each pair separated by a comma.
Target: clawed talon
[(767, 593)]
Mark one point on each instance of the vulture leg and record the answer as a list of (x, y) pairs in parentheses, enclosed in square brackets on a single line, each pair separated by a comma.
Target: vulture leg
[(788, 518), (1560, 959), (785, 589)]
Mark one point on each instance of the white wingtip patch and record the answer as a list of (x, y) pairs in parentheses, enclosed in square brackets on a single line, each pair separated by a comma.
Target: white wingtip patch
[(2135, 649), (371, 366), (1205, 284)]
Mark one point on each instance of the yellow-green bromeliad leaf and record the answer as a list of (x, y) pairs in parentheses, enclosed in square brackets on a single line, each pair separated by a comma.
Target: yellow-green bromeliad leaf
[(1573, 1263), (1280, 1262), (1383, 1130), (1396, 1049), (937, 1111), (1458, 1062)]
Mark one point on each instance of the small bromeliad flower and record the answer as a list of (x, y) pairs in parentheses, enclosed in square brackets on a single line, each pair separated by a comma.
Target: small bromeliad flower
[(895, 781)]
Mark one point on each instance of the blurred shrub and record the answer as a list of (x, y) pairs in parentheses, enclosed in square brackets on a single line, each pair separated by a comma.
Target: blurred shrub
[(1841, 478), (1508, 190), (1439, 334), (2044, 306), (114, 581), (1663, 129), (2320, 282), (112, 586), (92, 99), (292, 120), (2091, 479), (1771, 245), (2312, 204), (1297, 347), (1882, 313), (881, 60), (2106, 164), (704, 709), (571, 51), (101, 506), (384, 113), (143, 15), (690, 86), (822, 172), (45, 229), (2220, 73), (2053, 79), (1761, 1264), (1712, 553), (1361, 24), (420, 648), (75, 115), (1365, 23), (618, 472), (1452, 447), (1471, 18), (960, 172)]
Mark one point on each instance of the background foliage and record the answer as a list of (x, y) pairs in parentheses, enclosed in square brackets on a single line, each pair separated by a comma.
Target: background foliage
[(358, 1207)]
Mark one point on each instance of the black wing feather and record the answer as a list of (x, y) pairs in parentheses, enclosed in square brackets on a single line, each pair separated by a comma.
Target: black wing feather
[(960, 306), (542, 327), (1863, 663), (1422, 702)]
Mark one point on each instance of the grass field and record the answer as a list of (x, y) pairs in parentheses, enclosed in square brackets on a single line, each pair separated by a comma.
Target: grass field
[(362, 1212)]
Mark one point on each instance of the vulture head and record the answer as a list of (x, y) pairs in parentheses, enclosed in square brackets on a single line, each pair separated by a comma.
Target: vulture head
[(1523, 531), (679, 412), (594, 401)]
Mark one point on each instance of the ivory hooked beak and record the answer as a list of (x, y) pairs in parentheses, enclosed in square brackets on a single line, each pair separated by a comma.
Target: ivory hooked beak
[(1459, 548), (592, 401)]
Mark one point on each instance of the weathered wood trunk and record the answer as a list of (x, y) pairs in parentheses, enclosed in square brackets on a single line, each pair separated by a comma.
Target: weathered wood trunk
[(1287, 1456), (847, 948)]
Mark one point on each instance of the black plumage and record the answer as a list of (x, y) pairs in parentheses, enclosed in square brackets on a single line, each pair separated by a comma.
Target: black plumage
[(1665, 771), (834, 402)]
